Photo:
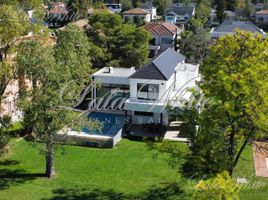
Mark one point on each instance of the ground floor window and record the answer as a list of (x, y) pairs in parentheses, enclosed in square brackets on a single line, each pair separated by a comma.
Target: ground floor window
[(148, 114)]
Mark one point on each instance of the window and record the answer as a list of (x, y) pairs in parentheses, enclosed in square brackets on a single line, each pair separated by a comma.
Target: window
[(166, 40), (148, 91), (148, 114)]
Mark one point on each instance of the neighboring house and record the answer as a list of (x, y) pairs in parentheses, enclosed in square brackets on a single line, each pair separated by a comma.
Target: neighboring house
[(57, 14), (147, 91), (178, 14), (259, 6), (261, 18), (149, 7), (164, 35), (9, 107), (114, 7), (229, 27), (214, 21), (146, 12)]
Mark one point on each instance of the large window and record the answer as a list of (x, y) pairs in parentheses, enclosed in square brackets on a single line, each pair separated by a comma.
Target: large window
[(148, 91), (166, 40)]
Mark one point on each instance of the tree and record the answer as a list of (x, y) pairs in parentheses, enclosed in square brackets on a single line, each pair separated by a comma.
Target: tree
[(248, 10), (116, 43), (162, 5), (126, 5), (5, 123), (222, 187), (194, 45), (68, 66), (201, 15), (79, 7), (220, 8), (234, 76)]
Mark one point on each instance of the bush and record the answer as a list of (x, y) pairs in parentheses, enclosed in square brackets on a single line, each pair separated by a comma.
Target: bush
[(222, 187)]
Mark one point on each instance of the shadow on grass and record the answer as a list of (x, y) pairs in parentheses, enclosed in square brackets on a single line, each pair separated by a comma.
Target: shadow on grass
[(13, 177), (166, 192)]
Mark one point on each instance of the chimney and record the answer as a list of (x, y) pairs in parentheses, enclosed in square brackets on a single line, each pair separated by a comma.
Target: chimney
[(111, 69)]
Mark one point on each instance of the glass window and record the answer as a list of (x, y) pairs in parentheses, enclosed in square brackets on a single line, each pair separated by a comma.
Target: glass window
[(148, 91), (166, 40)]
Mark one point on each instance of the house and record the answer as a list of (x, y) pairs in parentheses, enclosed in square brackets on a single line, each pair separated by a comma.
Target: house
[(229, 27), (214, 21), (259, 6), (146, 92), (58, 14), (114, 7), (146, 12), (261, 18), (164, 36), (179, 14)]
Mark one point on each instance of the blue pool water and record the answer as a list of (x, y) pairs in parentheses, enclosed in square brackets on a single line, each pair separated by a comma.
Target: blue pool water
[(111, 123)]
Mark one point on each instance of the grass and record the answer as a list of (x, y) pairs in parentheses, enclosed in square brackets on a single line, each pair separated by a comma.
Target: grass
[(129, 169), (245, 169)]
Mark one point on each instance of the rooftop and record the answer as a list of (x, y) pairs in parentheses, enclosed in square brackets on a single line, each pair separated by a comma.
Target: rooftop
[(161, 28), (180, 10), (228, 27), (162, 67), (58, 8), (262, 12), (115, 72), (136, 11)]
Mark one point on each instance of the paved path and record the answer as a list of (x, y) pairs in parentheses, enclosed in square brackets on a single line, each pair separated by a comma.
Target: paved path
[(172, 133), (260, 154)]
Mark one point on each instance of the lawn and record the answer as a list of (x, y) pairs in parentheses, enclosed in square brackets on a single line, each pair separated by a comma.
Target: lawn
[(127, 170)]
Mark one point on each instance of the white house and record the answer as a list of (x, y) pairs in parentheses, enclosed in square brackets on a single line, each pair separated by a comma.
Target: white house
[(114, 7), (146, 92), (146, 12)]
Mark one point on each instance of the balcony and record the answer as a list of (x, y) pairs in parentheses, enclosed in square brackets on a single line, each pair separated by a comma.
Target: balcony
[(156, 106)]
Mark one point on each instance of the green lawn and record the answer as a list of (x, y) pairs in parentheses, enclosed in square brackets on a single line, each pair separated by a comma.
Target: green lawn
[(245, 169), (129, 171)]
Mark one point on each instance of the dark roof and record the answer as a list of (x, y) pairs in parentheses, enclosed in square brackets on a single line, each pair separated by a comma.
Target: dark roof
[(147, 5), (229, 27), (162, 67), (179, 10)]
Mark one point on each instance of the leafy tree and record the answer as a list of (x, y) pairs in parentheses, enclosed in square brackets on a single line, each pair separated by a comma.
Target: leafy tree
[(235, 78), (162, 5), (248, 11), (42, 105), (194, 45), (222, 187), (201, 15), (72, 52), (116, 43), (5, 123), (127, 5), (79, 7), (220, 8)]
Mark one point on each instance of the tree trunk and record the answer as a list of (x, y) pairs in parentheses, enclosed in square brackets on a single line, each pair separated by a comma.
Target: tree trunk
[(241, 150), (231, 152), (50, 168)]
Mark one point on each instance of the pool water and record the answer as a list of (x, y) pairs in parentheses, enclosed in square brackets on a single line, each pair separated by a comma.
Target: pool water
[(111, 123)]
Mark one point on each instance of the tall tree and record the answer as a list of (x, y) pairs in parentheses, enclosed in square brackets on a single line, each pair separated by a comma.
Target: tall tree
[(79, 7), (235, 78), (194, 45), (220, 8), (69, 64), (115, 43)]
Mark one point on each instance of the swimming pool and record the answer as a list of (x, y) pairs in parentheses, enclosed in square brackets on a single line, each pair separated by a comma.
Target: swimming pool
[(111, 123), (109, 135)]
